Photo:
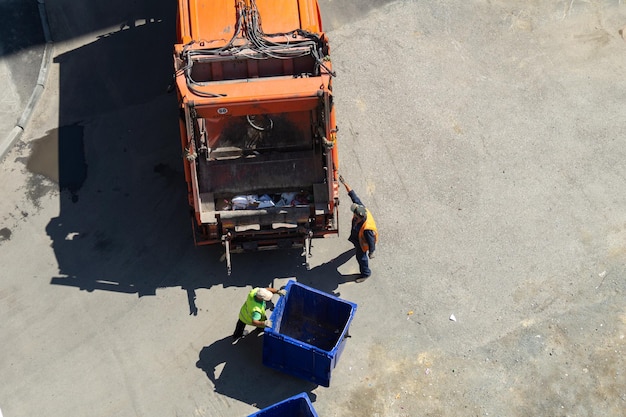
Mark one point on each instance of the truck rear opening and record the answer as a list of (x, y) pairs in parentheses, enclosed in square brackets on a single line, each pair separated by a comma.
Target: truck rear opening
[(257, 123)]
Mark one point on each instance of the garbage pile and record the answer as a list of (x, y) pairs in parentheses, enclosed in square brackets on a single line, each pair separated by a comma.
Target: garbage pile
[(255, 202)]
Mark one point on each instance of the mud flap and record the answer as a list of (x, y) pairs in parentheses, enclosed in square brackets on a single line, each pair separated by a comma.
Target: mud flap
[(226, 243), (306, 249)]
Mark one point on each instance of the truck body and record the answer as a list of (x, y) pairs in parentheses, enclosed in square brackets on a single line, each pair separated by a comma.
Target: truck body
[(257, 123)]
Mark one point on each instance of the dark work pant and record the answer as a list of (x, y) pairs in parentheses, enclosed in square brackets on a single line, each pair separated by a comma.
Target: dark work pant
[(361, 258), (239, 329)]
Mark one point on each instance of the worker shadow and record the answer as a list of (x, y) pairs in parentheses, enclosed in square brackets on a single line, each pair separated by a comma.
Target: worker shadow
[(237, 371), (327, 276)]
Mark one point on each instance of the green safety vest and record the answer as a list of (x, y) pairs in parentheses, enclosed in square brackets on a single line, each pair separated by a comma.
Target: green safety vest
[(250, 306)]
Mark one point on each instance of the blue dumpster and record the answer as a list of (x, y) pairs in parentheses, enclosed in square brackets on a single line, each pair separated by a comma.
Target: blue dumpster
[(296, 406), (308, 333)]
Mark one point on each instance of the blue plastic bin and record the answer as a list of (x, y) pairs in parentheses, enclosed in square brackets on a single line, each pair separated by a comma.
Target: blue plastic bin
[(296, 406), (308, 333)]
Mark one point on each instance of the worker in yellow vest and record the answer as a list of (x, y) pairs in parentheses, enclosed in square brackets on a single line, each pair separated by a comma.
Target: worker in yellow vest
[(252, 312), (363, 234)]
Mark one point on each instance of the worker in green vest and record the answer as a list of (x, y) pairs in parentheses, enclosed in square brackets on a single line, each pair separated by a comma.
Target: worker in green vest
[(252, 312)]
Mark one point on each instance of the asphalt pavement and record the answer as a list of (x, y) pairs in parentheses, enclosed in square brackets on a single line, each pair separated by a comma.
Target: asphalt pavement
[(485, 138), (25, 52)]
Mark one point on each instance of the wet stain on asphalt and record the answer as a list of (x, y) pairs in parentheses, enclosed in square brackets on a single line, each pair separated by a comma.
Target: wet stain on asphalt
[(5, 234), (60, 157)]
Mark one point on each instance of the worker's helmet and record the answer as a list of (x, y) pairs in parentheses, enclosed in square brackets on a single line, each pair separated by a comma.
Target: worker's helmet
[(358, 210), (263, 294)]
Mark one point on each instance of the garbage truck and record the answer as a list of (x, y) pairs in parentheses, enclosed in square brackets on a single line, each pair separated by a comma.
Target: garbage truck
[(257, 123)]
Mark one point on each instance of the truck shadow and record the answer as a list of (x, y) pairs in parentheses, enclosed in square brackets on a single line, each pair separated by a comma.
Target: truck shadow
[(326, 277), (234, 369), (115, 157), (259, 269), (123, 222)]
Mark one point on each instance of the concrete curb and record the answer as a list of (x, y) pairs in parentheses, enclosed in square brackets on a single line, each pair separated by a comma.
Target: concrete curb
[(7, 143)]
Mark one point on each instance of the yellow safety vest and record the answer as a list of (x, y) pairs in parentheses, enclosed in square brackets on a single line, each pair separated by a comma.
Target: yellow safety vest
[(368, 224), (250, 306)]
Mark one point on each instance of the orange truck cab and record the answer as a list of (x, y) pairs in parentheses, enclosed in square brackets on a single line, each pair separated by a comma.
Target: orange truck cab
[(257, 123)]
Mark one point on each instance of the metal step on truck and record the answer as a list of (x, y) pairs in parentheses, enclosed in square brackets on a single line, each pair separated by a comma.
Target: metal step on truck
[(257, 123)]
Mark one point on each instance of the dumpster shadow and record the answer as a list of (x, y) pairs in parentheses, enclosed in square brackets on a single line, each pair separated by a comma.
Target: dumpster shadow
[(237, 371)]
